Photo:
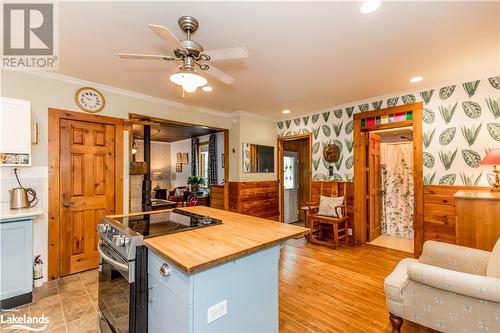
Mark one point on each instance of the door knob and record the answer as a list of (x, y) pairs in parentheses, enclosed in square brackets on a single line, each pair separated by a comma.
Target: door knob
[(68, 204)]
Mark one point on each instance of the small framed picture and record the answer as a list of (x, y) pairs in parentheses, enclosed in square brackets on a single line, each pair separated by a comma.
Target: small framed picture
[(179, 157), (178, 167), (222, 159), (184, 158)]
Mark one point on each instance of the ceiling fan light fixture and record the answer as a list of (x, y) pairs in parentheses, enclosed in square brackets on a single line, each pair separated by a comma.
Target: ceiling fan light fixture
[(207, 88), (188, 79)]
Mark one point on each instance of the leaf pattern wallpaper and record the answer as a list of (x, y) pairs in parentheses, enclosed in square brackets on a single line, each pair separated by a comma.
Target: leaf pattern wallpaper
[(460, 123)]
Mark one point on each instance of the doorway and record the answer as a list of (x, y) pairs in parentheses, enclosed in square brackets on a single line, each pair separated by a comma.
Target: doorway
[(85, 184), (294, 176), (369, 128), (390, 188), (171, 152)]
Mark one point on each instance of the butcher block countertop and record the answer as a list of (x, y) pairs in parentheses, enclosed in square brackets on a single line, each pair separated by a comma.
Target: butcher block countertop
[(238, 235)]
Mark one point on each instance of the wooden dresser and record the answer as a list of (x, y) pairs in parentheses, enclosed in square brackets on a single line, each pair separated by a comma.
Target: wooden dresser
[(478, 219)]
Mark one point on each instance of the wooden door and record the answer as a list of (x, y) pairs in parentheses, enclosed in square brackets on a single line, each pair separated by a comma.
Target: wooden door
[(87, 190), (374, 187)]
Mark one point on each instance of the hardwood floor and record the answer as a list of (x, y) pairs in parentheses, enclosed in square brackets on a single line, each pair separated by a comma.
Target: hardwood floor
[(321, 290), (326, 290)]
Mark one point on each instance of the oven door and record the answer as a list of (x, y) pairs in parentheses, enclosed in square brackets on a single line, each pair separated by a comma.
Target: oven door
[(115, 285)]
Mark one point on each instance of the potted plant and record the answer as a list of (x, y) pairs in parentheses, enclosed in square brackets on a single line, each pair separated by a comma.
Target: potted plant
[(195, 182)]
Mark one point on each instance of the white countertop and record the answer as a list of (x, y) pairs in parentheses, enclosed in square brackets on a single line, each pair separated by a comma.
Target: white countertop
[(9, 214)]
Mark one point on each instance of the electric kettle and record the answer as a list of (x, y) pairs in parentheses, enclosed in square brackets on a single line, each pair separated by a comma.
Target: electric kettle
[(19, 198)]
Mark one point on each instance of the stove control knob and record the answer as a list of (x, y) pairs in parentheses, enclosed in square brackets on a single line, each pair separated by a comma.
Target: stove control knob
[(103, 228), (118, 240)]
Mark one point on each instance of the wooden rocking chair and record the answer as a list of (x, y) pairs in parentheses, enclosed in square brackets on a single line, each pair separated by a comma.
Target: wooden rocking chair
[(319, 223)]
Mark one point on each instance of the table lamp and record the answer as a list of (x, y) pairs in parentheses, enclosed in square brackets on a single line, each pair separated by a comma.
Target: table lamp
[(493, 158), (157, 175)]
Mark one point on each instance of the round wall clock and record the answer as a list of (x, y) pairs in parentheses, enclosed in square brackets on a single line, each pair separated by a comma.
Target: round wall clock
[(89, 99)]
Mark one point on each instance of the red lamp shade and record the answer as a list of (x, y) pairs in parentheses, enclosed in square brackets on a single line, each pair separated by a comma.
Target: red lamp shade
[(492, 158)]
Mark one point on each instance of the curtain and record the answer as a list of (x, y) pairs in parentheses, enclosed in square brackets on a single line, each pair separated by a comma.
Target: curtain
[(194, 155), (212, 159), (397, 183)]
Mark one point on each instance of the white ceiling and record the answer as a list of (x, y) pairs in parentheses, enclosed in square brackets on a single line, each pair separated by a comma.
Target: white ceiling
[(304, 56)]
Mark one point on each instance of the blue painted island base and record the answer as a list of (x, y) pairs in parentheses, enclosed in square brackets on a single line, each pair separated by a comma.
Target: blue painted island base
[(247, 288)]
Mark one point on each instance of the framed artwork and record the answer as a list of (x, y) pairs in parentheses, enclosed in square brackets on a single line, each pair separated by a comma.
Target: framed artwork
[(185, 158), (222, 159), (179, 157), (178, 167)]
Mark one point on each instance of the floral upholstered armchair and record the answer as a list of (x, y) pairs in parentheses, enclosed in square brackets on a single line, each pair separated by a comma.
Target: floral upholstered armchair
[(450, 288)]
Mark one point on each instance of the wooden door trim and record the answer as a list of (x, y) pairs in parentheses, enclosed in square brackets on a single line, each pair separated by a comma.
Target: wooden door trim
[(281, 153), (55, 116), (226, 169), (360, 211)]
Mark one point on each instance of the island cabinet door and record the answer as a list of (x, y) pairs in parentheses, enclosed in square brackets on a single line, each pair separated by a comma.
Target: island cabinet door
[(16, 256), (170, 306)]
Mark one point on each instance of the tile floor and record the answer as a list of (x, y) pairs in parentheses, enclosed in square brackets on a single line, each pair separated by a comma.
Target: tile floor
[(70, 303), (393, 242)]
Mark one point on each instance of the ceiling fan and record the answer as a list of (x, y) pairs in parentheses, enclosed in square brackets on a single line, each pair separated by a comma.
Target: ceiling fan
[(191, 54)]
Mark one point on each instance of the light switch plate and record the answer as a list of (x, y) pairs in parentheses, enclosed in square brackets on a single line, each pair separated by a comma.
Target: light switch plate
[(349, 231), (216, 311)]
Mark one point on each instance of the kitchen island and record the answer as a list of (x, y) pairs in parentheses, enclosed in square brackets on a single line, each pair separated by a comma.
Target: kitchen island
[(218, 279)]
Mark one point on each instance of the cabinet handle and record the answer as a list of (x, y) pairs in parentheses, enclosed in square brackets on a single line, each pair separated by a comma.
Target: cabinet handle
[(68, 204), (165, 270)]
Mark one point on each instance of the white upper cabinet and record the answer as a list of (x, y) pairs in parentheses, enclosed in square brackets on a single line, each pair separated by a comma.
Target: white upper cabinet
[(15, 132)]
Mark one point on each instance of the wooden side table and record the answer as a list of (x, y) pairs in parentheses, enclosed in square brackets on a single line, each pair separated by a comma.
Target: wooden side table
[(478, 218)]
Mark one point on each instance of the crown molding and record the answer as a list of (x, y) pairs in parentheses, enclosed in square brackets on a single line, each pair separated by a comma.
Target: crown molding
[(77, 81)]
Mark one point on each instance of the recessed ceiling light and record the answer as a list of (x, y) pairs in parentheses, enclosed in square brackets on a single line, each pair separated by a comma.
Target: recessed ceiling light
[(207, 88), (369, 6), (416, 79), (285, 111)]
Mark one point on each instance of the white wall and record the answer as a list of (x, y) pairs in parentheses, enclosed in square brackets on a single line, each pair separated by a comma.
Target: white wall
[(252, 129), (180, 178), (160, 160)]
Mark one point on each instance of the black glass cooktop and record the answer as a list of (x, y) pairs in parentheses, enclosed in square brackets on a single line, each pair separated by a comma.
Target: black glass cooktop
[(158, 224)]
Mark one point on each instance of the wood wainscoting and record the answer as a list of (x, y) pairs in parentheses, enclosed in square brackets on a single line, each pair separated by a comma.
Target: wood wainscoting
[(439, 213), (259, 199), (217, 196)]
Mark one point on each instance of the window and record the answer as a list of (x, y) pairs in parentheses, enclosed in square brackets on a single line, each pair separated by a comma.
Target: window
[(289, 163), (203, 160)]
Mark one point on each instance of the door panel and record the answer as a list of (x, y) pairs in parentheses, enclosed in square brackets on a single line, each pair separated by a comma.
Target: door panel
[(87, 155), (374, 187)]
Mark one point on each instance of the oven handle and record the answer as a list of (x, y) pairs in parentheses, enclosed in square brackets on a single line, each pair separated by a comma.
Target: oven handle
[(112, 261)]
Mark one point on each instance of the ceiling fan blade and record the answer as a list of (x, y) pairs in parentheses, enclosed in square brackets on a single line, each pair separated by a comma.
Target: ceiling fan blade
[(145, 56), (219, 75), (229, 53), (167, 36)]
